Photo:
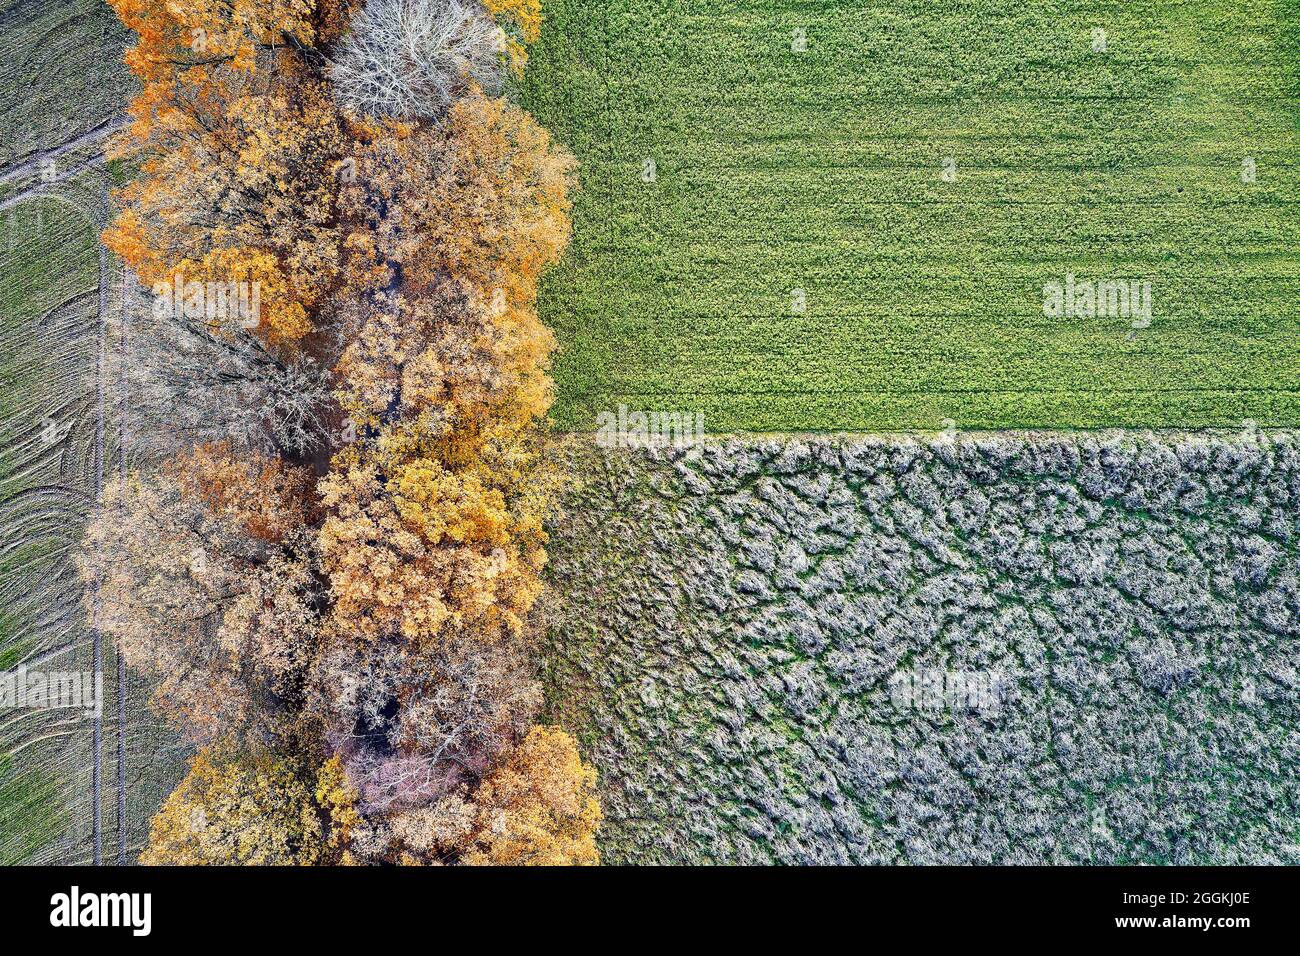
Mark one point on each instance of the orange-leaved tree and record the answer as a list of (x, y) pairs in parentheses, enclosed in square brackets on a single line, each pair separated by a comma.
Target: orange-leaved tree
[(539, 808), (234, 137)]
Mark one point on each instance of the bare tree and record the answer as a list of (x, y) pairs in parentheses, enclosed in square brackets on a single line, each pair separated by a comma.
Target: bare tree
[(192, 382), (413, 724), (411, 58)]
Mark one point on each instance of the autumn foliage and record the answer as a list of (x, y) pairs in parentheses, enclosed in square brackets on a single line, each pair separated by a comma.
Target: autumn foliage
[(349, 637), (205, 575), (227, 130), (539, 808), (250, 811)]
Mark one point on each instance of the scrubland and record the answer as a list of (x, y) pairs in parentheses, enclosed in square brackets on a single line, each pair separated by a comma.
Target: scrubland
[(730, 622)]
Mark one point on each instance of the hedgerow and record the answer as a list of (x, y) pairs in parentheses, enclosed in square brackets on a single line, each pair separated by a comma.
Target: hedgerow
[(330, 579)]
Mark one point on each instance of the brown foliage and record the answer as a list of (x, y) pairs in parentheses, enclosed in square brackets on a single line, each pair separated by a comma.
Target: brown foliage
[(204, 586), (263, 495)]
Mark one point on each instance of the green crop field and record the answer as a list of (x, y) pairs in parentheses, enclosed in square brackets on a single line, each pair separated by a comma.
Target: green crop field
[(62, 68), (912, 179)]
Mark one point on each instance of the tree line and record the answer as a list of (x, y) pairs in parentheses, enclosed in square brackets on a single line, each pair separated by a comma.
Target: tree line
[(330, 573)]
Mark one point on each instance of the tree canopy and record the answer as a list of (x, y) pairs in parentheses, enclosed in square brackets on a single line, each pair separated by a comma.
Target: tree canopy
[(331, 582)]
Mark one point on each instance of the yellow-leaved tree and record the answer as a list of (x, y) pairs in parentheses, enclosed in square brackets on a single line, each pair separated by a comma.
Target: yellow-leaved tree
[(251, 811), (539, 808)]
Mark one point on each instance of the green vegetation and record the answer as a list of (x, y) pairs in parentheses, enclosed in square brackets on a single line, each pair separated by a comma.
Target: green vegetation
[(48, 278), (29, 813), (61, 62), (49, 346), (820, 170)]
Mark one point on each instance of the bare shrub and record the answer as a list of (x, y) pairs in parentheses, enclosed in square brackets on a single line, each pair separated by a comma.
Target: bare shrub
[(410, 58)]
